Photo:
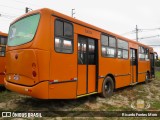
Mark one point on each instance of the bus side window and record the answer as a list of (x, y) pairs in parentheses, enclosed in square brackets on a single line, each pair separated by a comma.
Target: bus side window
[(143, 53), (3, 42), (122, 49), (68, 30), (82, 51), (108, 46), (63, 37), (58, 28)]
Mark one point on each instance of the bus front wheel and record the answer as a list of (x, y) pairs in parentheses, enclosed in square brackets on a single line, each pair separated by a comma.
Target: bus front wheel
[(108, 87)]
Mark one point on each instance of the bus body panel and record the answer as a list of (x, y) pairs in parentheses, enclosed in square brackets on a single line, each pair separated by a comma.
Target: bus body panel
[(38, 91), (64, 90), (63, 70), (2, 60), (143, 67), (82, 73), (133, 74), (20, 66), (100, 83), (122, 73), (85, 31), (43, 64), (133, 45), (122, 81), (118, 68), (2, 69), (91, 78), (63, 67)]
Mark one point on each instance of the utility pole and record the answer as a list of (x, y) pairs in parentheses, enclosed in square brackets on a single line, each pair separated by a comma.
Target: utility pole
[(136, 33), (72, 13), (28, 9)]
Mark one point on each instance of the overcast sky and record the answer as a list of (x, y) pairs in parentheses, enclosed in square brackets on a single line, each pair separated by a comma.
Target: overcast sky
[(118, 16)]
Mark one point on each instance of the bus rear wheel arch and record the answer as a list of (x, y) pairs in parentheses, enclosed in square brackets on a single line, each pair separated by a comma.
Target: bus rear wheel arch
[(107, 87)]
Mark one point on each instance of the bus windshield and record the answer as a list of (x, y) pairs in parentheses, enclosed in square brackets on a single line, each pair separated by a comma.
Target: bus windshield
[(23, 30)]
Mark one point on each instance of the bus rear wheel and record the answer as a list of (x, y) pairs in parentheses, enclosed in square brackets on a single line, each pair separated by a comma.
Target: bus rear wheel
[(108, 87)]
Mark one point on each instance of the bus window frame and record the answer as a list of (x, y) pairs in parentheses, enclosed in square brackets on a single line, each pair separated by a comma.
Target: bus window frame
[(139, 52), (3, 51), (108, 45), (21, 19), (123, 49), (2, 45), (71, 23)]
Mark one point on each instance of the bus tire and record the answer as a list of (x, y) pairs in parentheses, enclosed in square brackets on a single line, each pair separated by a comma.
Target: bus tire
[(107, 87), (147, 77), (2, 88)]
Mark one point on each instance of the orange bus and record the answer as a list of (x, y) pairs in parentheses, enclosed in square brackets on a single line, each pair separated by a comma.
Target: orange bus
[(3, 42), (54, 56)]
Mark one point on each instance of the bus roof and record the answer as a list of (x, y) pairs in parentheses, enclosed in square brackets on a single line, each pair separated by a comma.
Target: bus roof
[(3, 34), (55, 13)]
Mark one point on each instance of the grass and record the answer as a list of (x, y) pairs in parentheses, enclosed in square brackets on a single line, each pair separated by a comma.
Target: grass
[(157, 74), (120, 101), (156, 105), (4, 95)]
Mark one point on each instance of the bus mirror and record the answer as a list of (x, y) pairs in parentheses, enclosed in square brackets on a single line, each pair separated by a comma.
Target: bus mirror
[(155, 56)]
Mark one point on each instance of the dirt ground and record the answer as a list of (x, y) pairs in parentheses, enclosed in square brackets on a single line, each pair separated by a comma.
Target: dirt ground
[(124, 99)]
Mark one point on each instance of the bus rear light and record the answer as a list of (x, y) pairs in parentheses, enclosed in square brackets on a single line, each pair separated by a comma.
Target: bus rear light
[(9, 77), (53, 81), (33, 65), (34, 73), (16, 56), (28, 90), (73, 79)]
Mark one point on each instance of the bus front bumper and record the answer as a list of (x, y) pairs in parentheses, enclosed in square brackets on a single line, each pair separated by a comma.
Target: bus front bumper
[(39, 90)]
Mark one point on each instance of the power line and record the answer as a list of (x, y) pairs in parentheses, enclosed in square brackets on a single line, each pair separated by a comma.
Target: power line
[(7, 16), (150, 29), (13, 15), (22, 2), (153, 45), (141, 30), (150, 37), (130, 32), (12, 7)]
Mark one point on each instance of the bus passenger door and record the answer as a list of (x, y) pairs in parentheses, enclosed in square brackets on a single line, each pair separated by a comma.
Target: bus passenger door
[(87, 54), (152, 64), (134, 65)]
